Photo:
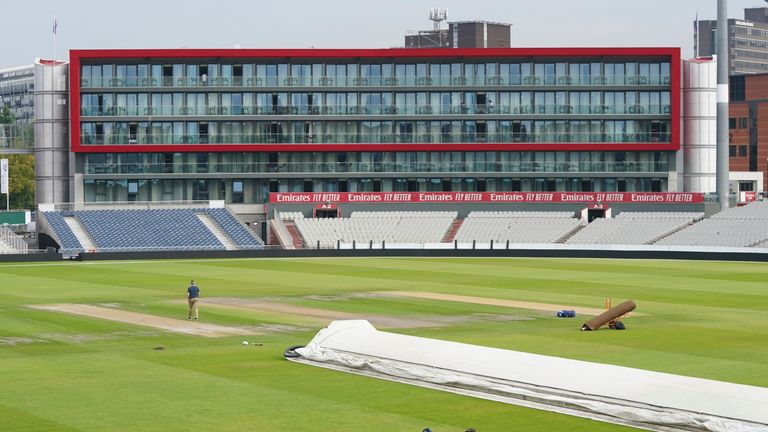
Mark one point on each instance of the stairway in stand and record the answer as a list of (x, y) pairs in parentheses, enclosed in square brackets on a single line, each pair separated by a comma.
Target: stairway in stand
[(298, 241), (455, 225), (85, 239)]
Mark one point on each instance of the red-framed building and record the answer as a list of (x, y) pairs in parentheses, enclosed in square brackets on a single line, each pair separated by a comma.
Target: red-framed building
[(236, 124)]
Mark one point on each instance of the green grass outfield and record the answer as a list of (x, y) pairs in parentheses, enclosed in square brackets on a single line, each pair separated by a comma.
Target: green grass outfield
[(61, 372)]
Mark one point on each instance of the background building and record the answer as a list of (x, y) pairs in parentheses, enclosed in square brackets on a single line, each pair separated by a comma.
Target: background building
[(17, 87), (235, 125), (747, 148), (463, 34), (460, 34), (747, 41), (17, 95)]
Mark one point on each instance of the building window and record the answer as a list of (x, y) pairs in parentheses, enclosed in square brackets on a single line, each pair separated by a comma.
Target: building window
[(200, 190), (732, 123), (237, 191), (133, 190), (742, 150), (742, 122), (738, 88), (732, 151)]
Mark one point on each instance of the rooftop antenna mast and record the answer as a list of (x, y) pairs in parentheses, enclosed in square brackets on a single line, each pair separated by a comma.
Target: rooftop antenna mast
[(437, 16)]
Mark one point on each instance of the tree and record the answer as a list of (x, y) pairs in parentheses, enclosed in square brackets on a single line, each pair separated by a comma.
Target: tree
[(6, 116), (21, 180), (6, 120), (21, 171)]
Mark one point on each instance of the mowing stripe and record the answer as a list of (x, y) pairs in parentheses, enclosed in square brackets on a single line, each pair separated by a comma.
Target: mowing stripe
[(194, 328), (323, 316), (546, 307)]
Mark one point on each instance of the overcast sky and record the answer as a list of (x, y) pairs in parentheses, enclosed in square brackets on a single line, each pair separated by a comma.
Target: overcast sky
[(26, 26)]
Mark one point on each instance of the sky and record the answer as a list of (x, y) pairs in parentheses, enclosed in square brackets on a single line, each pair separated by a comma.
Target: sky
[(26, 26)]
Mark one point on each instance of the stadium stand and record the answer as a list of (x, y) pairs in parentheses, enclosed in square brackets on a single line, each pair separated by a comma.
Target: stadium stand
[(634, 228), (10, 242), (60, 231), (240, 235), (4, 249), (745, 226), (394, 227), (291, 215), (153, 229), (517, 227)]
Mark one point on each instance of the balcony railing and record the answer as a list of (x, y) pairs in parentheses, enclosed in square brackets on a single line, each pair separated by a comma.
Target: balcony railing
[(368, 167), (374, 138), (377, 81), (16, 137), (383, 110)]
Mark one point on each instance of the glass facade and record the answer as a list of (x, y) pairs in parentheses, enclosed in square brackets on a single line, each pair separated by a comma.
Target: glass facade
[(427, 73), (381, 163), (598, 100), (289, 103), (251, 176), (17, 92), (250, 191)]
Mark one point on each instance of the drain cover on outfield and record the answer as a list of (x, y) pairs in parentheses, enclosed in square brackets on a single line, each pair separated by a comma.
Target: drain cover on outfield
[(195, 328)]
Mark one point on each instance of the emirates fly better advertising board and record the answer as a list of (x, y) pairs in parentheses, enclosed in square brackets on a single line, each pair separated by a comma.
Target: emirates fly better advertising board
[(486, 197)]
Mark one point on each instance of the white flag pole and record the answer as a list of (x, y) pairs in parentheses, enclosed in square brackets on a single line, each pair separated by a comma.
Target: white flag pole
[(55, 25)]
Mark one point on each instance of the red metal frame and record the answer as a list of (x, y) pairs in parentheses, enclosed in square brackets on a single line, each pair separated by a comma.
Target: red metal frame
[(76, 57)]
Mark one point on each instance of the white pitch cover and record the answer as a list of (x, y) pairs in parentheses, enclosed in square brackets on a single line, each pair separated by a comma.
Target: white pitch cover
[(641, 398), (4, 176)]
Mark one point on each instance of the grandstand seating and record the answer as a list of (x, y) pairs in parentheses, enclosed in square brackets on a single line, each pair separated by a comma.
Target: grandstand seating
[(390, 227), (634, 228), (517, 227), (61, 231), (291, 215), (157, 229), (745, 226), (235, 230), (219, 229)]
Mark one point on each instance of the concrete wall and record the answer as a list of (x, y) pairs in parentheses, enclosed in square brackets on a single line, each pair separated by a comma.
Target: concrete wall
[(499, 253)]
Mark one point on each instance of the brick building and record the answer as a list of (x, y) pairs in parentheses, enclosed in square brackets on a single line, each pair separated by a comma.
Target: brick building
[(748, 149)]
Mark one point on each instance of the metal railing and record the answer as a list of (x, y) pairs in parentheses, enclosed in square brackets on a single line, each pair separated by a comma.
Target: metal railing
[(282, 231), (126, 205), (374, 110), (269, 136), (368, 167), (16, 243), (378, 81), (17, 137)]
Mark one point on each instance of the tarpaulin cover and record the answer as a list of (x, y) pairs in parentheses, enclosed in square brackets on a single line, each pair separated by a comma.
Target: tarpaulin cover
[(630, 395)]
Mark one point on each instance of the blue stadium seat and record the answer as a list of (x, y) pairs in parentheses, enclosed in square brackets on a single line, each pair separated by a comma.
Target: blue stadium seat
[(63, 232)]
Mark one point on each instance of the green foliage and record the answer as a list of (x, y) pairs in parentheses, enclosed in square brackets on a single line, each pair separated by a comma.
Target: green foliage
[(63, 372), (21, 167), (6, 116), (21, 179)]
